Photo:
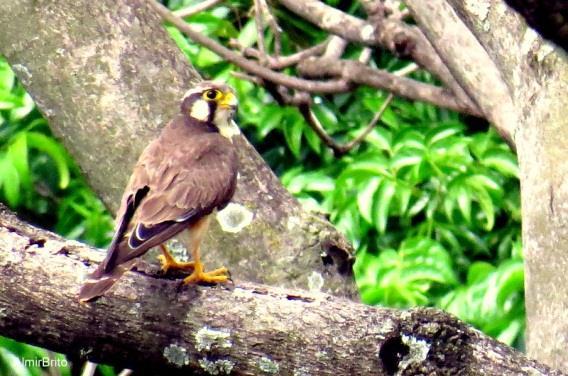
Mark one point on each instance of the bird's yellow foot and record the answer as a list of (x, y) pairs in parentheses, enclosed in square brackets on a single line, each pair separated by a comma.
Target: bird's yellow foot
[(219, 275), (168, 262)]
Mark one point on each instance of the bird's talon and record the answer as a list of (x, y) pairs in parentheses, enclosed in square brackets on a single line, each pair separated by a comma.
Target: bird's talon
[(220, 275)]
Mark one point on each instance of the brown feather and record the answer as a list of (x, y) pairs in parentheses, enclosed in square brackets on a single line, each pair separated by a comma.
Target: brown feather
[(188, 171)]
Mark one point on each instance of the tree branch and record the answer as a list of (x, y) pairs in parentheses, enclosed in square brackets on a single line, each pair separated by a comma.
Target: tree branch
[(197, 8), (108, 86), (470, 63), (401, 39), (152, 325), (408, 88)]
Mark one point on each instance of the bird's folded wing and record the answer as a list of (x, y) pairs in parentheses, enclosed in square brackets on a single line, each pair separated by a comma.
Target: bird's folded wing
[(178, 189)]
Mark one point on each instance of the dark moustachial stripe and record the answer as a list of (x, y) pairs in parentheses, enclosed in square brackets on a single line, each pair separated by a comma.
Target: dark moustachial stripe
[(212, 109)]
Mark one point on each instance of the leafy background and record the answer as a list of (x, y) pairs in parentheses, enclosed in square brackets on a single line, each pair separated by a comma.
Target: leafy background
[(430, 199)]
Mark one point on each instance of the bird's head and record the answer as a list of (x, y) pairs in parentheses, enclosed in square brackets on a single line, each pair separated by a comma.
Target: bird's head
[(212, 103)]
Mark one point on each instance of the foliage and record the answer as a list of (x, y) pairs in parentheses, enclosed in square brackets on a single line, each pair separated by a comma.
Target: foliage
[(430, 199), (38, 177), (41, 182)]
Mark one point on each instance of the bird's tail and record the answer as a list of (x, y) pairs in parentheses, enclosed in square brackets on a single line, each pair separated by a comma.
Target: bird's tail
[(100, 281)]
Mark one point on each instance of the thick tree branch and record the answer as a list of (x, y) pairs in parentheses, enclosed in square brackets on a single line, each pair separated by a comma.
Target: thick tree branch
[(360, 74), (534, 73), (107, 76), (402, 39), (197, 8), (408, 88), (470, 63), (152, 325)]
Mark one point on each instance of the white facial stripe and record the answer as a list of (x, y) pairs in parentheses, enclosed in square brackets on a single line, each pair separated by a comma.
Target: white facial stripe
[(200, 110), (192, 91), (229, 129)]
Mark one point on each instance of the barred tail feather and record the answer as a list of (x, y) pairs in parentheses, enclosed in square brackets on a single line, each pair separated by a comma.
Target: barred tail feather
[(100, 281)]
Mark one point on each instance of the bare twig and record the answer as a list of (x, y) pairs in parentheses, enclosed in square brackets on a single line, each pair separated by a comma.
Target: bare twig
[(259, 21), (330, 86), (197, 8), (335, 48), (360, 74), (281, 62), (89, 369), (273, 26), (357, 140), (412, 67), (344, 69), (341, 149), (400, 38)]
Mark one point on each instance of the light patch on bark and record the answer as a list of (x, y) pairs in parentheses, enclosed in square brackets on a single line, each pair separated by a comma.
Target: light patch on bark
[(178, 250), (293, 222), (315, 282), (176, 355), (217, 367), (529, 39), (23, 73), (479, 9), (329, 20), (3, 313), (207, 339), (302, 371), (545, 49), (268, 365), (368, 33), (234, 218), (417, 352)]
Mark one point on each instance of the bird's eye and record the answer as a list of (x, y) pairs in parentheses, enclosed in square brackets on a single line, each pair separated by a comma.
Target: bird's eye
[(212, 94)]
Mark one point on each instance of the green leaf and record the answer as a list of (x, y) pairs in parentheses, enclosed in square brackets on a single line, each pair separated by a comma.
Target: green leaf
[(502, 161), (463, 196), (383, 200), (479, 271), (293, 134), (409, 139), (366, 166), (17, 154), (206, 58), (55, 151), (380, 138), (406, 157), (13, 363), (510, 282), (365, 199), (188, 49), (248, 35), (270, 119), (443, 132), (7, 76), (419, 205), (10, 183), (326, 116), (487, 208), (404, 194)]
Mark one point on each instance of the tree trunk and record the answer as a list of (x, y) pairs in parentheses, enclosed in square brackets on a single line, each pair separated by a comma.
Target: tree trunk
[(154, 326), (107, 76), (531, 84)]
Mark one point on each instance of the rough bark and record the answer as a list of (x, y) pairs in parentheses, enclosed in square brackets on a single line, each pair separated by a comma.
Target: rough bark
[(107, 76), (531, 82), (155, 327)]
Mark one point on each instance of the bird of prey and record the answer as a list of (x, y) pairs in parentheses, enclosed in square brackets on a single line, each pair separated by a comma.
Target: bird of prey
[(180, 179)]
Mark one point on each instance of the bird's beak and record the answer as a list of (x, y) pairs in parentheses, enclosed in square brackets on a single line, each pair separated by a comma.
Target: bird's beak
[(229, 101)]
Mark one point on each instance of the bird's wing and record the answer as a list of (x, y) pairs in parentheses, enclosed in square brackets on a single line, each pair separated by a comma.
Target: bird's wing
[(168, 190)]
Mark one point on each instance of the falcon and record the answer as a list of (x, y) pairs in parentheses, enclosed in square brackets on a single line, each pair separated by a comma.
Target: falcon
[(180, 179)]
